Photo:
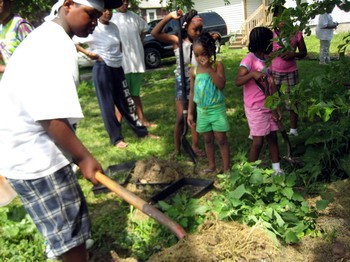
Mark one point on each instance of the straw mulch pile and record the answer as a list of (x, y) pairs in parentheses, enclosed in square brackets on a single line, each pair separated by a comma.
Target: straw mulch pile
[(221, 241)]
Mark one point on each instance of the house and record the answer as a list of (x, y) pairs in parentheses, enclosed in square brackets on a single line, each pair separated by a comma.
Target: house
[(152, 9), (241, 16)]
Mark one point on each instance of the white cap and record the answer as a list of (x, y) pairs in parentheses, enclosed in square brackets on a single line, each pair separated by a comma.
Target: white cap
[(97, 4)]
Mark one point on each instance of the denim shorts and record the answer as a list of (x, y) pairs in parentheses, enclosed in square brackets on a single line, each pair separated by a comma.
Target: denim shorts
[(58, 208), (178, 88)]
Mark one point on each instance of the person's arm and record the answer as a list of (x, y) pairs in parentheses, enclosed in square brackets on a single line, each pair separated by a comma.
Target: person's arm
[(142, 35), (61, 132), (243, 76), (87, 53), (302, 51), (23, 30), (217, 74), (191, 105), (163, 37)]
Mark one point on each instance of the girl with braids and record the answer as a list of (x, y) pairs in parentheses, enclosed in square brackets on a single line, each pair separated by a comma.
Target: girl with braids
[(252, 74), (207, 82), (191, 29)]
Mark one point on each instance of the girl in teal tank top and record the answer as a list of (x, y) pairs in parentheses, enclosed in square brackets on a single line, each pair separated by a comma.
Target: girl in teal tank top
[(207, 82)]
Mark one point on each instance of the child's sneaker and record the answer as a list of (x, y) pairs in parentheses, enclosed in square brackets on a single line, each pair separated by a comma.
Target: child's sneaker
[(278, 172), (293, 132), (89, 243), (49, 254), (250, 137)]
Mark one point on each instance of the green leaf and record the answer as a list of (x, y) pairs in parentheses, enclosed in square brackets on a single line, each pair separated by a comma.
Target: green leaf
[(238, 192), (269, 212), (288, 192), (272, 188), (290, 217), (322, 204), (183, 222), (297, 196), (290, 179), (291, 237), (279, 219), (256, 177), (164, 206)]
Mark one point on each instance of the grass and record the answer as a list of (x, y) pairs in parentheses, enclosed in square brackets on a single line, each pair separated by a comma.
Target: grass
[(313, 44), (108, 213)]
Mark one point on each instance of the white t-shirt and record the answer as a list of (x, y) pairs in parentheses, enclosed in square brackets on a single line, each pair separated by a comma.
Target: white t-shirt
[(130, 27), (323, 33), (39, 84), (104, 41)]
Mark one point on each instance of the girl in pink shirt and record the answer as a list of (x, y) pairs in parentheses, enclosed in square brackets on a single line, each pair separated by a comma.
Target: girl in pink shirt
[(284, 67), (261, 120)]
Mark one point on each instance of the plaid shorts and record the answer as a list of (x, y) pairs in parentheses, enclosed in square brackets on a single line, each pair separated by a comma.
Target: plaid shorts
[(289, 78), (58, 208)]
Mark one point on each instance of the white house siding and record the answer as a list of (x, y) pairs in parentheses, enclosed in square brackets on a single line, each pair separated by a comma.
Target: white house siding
[(233, 14)]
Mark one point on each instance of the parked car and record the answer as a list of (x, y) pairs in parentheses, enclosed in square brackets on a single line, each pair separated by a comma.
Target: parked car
[(156, 50)]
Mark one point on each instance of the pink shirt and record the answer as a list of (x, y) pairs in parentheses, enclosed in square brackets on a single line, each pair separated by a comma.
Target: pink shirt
[(280, 65), (252, 95)]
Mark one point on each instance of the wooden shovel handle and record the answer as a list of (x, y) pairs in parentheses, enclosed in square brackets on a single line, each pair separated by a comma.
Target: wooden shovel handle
[(141, 204)]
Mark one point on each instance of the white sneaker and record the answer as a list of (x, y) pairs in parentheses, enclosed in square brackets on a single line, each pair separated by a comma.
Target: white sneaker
[(75, 168), (278, 172), (89, 243), (292, 133), (49, 253)]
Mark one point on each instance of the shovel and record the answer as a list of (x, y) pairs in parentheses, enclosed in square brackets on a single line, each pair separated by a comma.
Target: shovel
[(294, 161), (185, 144), (141, 205)]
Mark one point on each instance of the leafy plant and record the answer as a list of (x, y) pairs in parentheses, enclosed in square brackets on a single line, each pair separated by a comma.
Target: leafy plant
[(252, 195), (20, 236), (189, 213)]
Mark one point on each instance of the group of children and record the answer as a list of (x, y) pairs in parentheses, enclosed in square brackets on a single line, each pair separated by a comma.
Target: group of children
[(39, 102), (205, 79)]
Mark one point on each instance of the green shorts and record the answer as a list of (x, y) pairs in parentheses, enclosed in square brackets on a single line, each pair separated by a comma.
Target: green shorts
[(134, 83), (212, 118)]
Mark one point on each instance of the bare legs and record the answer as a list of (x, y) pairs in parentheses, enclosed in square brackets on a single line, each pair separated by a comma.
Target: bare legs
[(257, 144), (209, 138), (76, 254), (140, 114)]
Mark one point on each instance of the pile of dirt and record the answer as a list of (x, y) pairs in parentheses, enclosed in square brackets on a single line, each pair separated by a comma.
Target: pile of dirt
[(221, 241), (157, 171)]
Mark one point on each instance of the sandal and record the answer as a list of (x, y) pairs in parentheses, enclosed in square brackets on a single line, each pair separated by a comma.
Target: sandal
[(199, 153), (208, 171)]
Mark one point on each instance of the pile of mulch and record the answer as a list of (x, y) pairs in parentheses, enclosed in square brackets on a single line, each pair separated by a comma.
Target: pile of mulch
[(157, 171), (221, 241)]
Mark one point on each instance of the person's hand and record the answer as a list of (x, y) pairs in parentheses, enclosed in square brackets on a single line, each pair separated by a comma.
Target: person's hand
[(176, 14), (204, 61), (88, 167), (190, 121), (258, 76), (93, 56), (288, 55), (215, 36), (276, 114)]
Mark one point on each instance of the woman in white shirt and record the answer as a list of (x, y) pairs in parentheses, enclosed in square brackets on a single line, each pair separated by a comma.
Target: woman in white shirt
[(324, 32)]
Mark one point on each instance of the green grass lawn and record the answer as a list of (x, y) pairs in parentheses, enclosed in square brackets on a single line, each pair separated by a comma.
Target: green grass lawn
[(109, 214)]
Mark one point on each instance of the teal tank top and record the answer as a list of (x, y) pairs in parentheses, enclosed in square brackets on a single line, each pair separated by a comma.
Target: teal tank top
[(206, 94)]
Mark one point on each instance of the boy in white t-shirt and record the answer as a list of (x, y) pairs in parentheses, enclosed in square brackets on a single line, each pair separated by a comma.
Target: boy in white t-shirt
[(38, 104)]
